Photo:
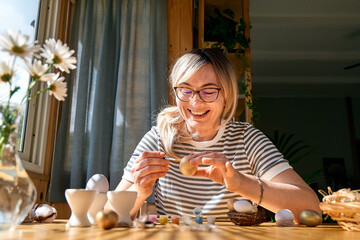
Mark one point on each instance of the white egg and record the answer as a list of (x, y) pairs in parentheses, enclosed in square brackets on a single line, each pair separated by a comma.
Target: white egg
[(243, 206), (99, 183), (284, 217)]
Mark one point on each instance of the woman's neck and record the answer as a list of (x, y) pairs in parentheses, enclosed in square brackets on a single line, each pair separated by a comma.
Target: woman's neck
[(205, 135)]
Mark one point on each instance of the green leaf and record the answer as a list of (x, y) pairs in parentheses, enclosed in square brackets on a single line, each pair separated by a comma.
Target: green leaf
[(291, 147), (276, 137), (286, 141), (293, 152), (281, 142), (229, 13), (296, 159), (12, 92), (312, 177)]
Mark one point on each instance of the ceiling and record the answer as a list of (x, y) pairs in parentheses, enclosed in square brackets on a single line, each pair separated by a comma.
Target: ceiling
[(300, 48)]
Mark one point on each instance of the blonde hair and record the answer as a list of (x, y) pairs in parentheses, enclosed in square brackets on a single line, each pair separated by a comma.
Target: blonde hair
[(170, 123)]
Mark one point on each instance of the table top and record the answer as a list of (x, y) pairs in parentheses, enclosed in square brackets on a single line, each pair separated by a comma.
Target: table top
[(223, 231)]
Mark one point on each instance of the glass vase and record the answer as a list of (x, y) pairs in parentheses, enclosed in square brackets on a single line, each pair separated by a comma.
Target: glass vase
[(17, 191)]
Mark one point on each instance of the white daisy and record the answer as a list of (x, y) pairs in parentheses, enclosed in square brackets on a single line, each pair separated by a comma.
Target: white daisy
[(6, 71), (17, 44), (37, 70), (58, 54), (57, 86)]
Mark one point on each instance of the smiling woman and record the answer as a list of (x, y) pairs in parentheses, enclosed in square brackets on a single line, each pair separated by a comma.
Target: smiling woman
[(222, 159)]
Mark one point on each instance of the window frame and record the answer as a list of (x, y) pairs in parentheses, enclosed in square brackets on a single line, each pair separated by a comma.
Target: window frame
[(38, 116)]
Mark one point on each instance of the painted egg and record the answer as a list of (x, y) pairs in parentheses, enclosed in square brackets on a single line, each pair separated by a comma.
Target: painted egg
[(186, 168), (107, 219), (243, 206), (99, 183), (284, 217), (230, 204), (310, 218)]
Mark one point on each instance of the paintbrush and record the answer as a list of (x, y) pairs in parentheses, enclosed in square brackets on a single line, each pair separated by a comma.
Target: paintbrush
[(167, 158)]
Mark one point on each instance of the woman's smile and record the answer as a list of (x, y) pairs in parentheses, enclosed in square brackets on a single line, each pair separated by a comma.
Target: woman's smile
[(198, 113)]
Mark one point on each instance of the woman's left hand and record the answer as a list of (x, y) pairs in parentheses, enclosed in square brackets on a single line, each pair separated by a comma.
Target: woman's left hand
[(219, 170)]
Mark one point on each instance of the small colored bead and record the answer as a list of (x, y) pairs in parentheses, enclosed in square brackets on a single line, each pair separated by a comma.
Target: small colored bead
[(152, 218), (187, 220), (199, 219), (211, 219), (175, 219), (163, 219)]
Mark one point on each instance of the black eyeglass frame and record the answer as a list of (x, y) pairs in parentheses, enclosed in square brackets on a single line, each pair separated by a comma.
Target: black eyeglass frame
[(198, 93)]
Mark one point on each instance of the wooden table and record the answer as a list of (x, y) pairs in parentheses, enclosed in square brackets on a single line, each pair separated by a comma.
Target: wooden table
[(223, 231)]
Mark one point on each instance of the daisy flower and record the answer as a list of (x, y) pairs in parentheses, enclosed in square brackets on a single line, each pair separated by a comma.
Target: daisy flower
[(17, 44), (58, 54), (37, 70), (57, 86), (6, 71)]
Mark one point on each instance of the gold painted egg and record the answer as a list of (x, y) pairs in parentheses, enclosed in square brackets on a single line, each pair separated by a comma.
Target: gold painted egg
[(230, 204), (107, 219), (310, 218), (186, 168)]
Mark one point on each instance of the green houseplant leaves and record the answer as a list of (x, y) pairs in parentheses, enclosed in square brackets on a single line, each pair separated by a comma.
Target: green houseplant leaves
[(294, 151)]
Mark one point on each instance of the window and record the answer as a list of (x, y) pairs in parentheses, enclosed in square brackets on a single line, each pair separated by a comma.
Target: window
[(37, 19)]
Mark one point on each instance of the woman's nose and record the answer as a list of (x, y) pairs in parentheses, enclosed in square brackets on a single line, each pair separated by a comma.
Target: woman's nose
[(196, 99)]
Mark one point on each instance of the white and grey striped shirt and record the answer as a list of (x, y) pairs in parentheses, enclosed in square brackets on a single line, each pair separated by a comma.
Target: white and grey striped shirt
[(247, 148)]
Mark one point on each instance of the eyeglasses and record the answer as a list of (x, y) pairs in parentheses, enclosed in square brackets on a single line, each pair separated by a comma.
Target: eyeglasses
[(207, 94)]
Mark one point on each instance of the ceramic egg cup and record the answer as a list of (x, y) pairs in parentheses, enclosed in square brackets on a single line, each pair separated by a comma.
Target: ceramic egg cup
[(79, 201), (97, 206), (122, 202)]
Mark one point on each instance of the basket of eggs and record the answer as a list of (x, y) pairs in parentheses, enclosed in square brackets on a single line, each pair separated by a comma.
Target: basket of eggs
[(244, 213), (342, 206)]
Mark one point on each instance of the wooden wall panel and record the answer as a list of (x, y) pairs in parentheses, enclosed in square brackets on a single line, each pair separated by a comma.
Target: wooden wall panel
[(186, 21), (179, 31)]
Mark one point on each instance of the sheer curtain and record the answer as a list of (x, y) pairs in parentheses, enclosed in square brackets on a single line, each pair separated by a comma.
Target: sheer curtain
[(119, 84)]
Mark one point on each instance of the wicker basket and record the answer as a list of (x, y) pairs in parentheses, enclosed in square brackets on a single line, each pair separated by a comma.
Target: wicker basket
[(248, 219), (343, 206)]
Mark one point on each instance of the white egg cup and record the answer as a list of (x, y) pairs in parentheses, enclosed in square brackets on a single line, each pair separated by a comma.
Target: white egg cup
[(122, 202), (79, 201), (97, 205)]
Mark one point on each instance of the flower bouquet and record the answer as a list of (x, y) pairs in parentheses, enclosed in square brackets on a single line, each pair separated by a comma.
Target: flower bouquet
[(55, 53), (17, 192)]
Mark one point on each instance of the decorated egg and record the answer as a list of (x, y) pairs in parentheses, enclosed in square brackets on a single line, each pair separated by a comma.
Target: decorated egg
[(99, 183), (197, 210), (284, 217), (230, 204), (186, 168), (107, 219), (310, 218), (243, 206)]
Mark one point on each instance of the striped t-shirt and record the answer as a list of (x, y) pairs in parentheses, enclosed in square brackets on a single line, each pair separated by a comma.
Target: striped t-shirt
[(247, 148)]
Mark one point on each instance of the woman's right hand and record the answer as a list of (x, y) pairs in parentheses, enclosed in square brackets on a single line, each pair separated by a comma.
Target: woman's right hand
[(147, 168)]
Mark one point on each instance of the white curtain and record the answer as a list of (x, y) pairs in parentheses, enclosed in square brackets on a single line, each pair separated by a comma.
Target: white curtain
[(119, 85)]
